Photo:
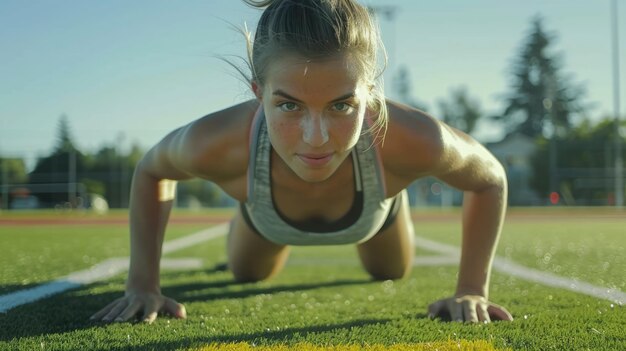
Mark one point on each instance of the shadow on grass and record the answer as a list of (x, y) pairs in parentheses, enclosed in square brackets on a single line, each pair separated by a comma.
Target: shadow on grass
[(70, 311), (262, 337), (10, 288), (202, 291)]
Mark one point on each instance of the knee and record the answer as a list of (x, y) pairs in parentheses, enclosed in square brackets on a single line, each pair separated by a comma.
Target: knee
[(249, 275)]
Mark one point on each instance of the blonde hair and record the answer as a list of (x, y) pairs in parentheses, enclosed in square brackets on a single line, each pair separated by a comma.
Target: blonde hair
[(317, 29)]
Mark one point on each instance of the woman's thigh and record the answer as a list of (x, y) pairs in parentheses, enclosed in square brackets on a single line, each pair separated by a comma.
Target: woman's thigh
[(389, 254), (251, 257)]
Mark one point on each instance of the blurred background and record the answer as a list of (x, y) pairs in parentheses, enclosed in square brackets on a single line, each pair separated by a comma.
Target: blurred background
[(86, 87)]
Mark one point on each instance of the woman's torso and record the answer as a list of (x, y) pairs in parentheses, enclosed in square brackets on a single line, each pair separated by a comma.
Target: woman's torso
[(331, 199)]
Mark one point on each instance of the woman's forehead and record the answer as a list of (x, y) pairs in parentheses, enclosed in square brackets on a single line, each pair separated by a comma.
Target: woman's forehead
[(296, 73)]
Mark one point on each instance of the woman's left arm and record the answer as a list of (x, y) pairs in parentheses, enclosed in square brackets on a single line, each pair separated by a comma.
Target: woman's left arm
[(454, 157), (468, 166)]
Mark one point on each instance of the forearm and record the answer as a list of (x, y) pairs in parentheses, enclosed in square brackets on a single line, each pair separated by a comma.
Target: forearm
[(483, 215), (150, 206)]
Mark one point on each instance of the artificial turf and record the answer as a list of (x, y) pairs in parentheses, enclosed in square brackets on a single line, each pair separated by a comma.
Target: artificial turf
[(322, 299)]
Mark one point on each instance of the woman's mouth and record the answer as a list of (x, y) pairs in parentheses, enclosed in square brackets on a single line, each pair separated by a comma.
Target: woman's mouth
[(316, 160)]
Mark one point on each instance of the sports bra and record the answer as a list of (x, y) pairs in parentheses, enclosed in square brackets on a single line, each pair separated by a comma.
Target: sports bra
[(365, 218)]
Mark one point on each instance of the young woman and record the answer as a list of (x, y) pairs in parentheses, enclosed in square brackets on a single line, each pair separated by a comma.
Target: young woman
[(319, 157)]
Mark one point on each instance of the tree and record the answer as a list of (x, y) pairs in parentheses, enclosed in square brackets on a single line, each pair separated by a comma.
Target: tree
[(542, 100), (63, 167), (585, 163), (462, 112), (64, 135), (403, 87), (12, 172)]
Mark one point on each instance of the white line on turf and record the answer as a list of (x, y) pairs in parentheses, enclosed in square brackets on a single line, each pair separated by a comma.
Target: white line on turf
[(109, 268), (533, 275), (114, 266)]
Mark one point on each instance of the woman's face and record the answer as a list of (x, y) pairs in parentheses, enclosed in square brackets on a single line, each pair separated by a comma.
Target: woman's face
[(314, 112)]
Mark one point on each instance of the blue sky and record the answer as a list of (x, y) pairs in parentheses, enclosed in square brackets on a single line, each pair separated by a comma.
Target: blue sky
[(131, 71)]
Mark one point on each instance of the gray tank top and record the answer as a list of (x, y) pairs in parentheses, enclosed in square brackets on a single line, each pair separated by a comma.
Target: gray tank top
[(368, 213)]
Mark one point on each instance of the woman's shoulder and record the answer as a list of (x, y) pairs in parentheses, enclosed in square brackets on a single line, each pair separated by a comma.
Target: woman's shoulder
[(413, 141), (216, 145)]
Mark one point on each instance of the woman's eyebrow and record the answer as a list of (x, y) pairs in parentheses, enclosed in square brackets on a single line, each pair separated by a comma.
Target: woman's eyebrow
[(344, 97), (279, 92)]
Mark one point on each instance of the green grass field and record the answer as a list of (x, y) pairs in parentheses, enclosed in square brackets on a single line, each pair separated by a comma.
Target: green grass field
[(323, 299)]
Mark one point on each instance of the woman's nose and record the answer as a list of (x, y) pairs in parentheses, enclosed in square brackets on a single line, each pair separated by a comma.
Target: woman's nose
[(314, 130)]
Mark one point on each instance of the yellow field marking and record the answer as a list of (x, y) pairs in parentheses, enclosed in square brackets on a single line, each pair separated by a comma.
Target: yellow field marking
[(477, 345)]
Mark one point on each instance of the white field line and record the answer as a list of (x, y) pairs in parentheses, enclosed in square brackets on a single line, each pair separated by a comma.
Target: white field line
[(109, 268), (114, 266), (533, 275)]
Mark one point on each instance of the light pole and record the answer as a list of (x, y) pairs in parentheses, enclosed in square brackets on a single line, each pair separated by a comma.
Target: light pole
[(71, 189), (5, 184), (122, 169), (619, 163)]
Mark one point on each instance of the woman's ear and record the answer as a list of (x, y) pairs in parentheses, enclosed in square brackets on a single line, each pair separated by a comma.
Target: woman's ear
[(256, 89)]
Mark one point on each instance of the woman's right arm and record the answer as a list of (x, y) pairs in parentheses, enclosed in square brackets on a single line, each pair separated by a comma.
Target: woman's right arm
[(191, 151), (151, 198)]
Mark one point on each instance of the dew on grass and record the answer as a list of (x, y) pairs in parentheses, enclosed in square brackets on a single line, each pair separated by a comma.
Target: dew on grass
[(388, 287), (387, 284), (612, 306), (525, 316)]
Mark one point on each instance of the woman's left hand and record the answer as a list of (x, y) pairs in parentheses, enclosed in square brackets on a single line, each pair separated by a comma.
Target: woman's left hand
[(468, 308)]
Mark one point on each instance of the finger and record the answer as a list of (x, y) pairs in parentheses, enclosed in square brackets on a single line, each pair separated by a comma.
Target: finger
[(150, 317), (129, 312), (174, 308), (105, 310), (116, 310), (469, 311), (456, 310), (150, 312), (434, 309), (498, 313), (483, 315)]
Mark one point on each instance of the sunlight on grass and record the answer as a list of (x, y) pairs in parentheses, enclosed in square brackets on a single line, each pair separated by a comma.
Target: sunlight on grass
[(441, 346)]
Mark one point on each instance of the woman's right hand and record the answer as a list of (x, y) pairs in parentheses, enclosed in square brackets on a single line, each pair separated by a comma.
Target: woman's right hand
[(133, 303)]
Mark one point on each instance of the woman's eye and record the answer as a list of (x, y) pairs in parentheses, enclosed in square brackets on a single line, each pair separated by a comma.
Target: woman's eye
[(342, 107), (288, 106)]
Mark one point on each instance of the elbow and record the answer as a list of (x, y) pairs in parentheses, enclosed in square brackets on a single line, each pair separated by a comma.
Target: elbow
[(499, 183)]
